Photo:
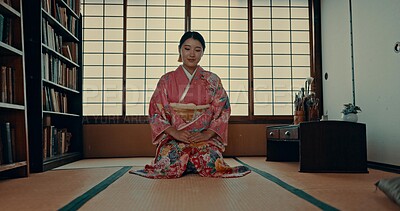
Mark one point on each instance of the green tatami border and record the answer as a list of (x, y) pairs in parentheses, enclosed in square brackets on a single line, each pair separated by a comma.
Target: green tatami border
[(320, 204), (85, 197), (82, 199)]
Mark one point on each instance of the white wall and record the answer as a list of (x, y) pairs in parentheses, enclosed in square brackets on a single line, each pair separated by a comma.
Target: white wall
[(376, 28)]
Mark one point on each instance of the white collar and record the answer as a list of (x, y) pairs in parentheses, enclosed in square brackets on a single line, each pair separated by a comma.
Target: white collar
[(189, 76)]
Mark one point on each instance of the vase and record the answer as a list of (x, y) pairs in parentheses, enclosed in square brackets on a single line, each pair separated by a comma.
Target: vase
[(299, 117), (351, 117)]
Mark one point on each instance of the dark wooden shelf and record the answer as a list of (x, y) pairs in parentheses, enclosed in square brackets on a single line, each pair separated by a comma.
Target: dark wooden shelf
[(61, 30), (60, 87), (60, 113), (12, 56), (7, 50), (70, 11), (8, 10), (42, 121), (6, 167), (12, 106), (60, 160), (60, 56)]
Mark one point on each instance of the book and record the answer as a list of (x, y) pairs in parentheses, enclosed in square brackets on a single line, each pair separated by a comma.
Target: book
[(7, 84), (3, 84), (73, 49), (67, 51), (8, 2), (1, 152), (7, 31), (5, 131), (54, 141), (45, 139), (1, 27), (10, 85), (50, 141), (13, 147)]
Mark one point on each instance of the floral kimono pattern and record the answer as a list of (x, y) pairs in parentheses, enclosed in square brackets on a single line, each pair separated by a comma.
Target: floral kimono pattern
[(209, 109)]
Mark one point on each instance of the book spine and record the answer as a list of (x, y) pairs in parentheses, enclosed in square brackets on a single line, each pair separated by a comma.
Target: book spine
[(7, 143), (1, 27), (54, 141), (3, 83), (10, 85)]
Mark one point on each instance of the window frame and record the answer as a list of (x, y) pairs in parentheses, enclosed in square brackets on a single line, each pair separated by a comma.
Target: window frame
[(315, 72)]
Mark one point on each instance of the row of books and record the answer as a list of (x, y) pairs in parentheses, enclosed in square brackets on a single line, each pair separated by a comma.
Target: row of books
[(54, 101), (56, 141), (9, 2), (7, 143), (55, 42), (7, 84), (58, 72), (5, 29), (49, 6), (60, 13), (50, 38), (75, 5)]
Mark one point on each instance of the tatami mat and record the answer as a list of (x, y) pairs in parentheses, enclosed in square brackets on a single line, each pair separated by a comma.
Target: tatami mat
[(118, 162), (107, 162), (344, 191), (192, 192), (54, 189), (49, 190)]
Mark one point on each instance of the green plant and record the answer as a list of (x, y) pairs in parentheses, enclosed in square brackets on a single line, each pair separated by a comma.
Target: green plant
[(350, 108)]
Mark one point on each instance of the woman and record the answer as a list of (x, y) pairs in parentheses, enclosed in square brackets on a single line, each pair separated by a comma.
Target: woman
[(189, 113)]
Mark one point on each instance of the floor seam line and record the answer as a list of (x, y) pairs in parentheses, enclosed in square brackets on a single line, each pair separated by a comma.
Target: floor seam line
[(85, 197), (296, 191)]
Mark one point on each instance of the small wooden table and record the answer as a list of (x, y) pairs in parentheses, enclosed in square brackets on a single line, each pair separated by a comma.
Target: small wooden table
[(323, 146)]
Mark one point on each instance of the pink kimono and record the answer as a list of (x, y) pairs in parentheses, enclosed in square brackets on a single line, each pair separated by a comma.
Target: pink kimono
[(195, 105)]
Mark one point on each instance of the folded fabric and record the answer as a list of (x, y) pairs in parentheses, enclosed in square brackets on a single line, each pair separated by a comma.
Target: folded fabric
[(391, 187), (189, 111)]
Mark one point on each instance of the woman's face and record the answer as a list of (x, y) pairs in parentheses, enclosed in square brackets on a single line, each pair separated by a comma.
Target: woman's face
[(191, 53)]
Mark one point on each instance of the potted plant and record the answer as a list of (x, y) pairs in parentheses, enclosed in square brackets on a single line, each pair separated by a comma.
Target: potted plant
[(350, 111)]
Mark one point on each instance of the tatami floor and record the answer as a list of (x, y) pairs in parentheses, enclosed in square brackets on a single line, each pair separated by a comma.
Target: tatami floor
[(105, 184)]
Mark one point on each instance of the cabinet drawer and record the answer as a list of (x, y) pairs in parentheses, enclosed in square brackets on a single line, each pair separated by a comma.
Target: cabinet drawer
[(289, 133), (283, 143), (272, 133)]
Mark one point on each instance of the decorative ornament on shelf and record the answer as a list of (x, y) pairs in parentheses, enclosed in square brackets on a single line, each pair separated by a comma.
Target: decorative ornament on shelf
[(349, 112), (306, 104)]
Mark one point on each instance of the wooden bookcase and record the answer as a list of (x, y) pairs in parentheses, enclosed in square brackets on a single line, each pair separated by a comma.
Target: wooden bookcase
[(12, 98), (53, 44)]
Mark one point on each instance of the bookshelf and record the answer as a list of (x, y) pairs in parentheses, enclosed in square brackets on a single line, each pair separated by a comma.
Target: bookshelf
[(14, 159), (53, 66)]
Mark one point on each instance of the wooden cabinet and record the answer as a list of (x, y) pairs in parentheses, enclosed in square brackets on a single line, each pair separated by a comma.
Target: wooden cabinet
[(321, 146), (333, 146), (14, 161), (54, 72), (283, 143)]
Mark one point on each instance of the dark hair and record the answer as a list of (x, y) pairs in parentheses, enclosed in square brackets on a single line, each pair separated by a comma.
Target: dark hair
[(194, 35)]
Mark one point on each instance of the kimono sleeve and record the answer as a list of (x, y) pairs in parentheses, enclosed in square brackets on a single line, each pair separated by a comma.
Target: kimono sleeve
[(159, 116), (221, 112)]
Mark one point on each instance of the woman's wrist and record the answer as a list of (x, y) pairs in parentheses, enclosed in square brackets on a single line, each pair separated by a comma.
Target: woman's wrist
[(209, 133), (171, 131)]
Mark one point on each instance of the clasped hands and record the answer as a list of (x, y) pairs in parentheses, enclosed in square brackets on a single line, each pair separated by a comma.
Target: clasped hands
[(190, 137)]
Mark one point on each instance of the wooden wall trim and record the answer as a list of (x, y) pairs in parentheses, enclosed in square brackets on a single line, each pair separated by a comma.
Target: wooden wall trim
[(134, 140)]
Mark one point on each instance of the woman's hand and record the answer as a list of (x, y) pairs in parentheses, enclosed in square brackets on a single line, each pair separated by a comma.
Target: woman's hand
[(187, 137), (201, 136), (180, 135)]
